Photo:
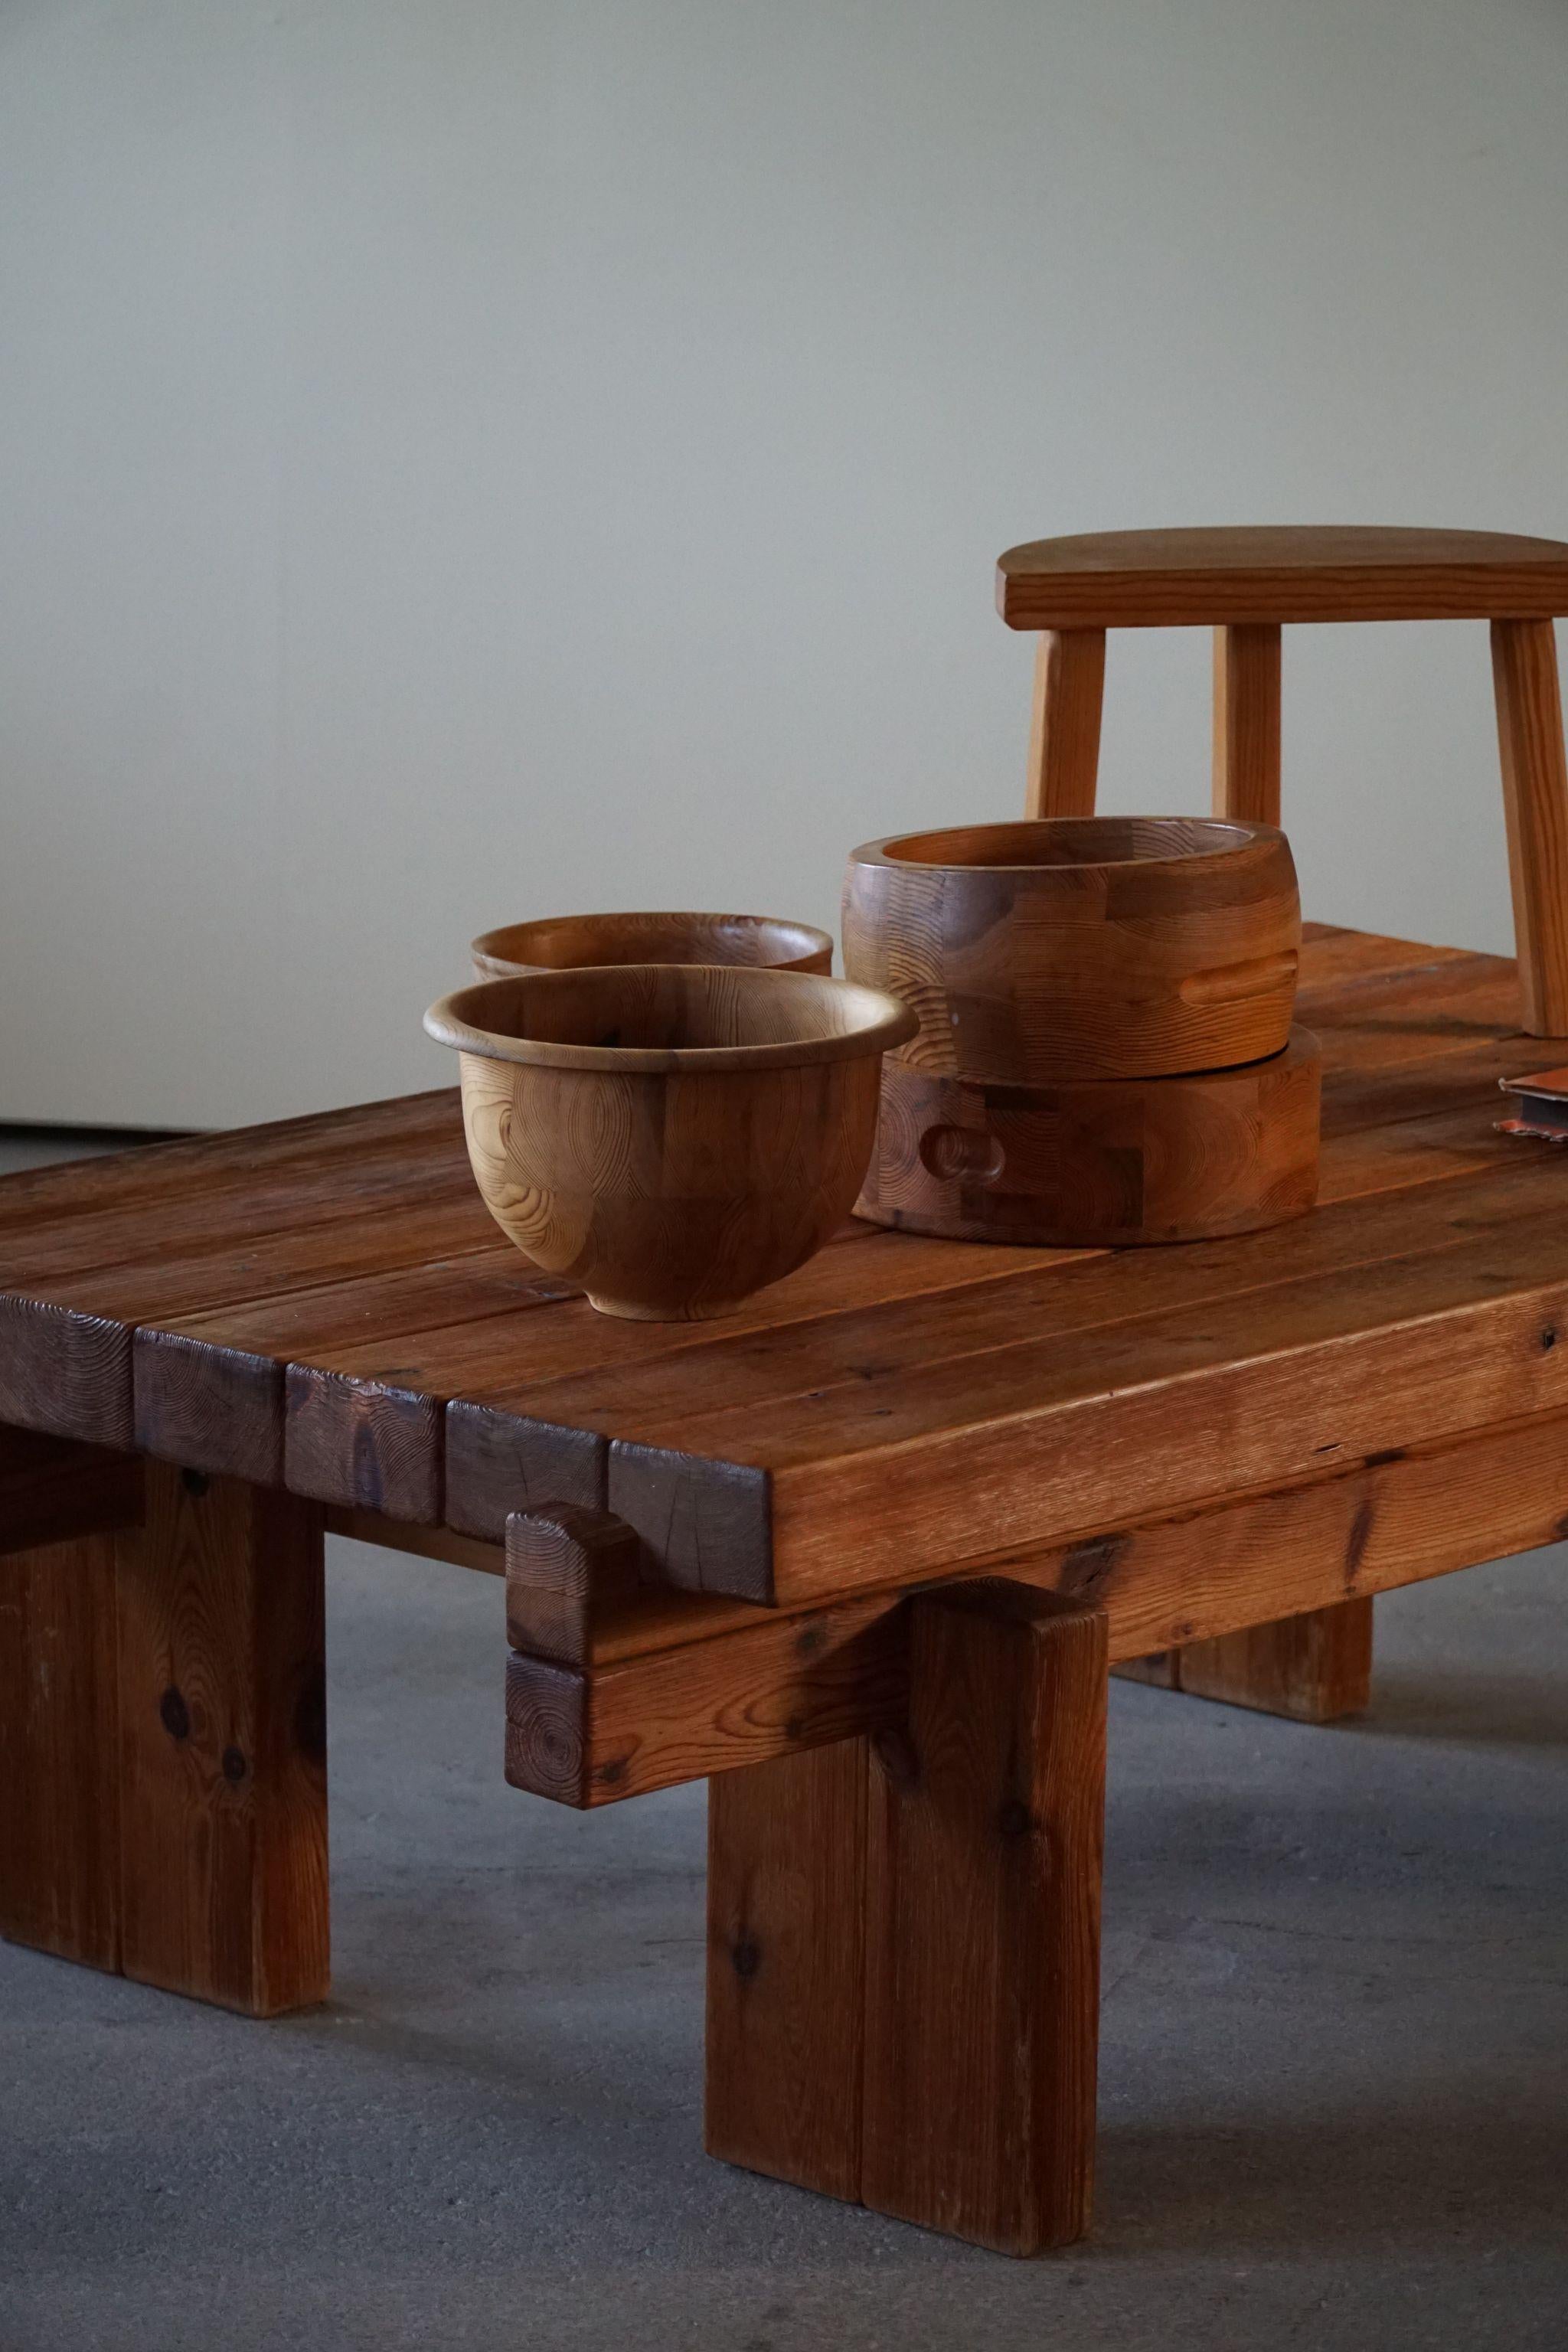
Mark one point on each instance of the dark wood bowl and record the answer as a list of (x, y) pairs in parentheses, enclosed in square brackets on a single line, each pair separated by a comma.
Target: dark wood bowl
[(558, 942), (1099, 1163), (1071, 948), (672, 1137)]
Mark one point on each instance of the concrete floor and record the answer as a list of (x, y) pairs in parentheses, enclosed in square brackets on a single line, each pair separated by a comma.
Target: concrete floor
[(1335, 2075)]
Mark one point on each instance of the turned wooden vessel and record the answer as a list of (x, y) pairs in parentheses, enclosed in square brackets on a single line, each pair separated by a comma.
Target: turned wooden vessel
[(670, 1137), (1080, 948), (1098, 1161), (558, 942)]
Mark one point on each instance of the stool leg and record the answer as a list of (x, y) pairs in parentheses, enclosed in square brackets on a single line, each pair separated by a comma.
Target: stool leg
[(1315, 1669), (984, 1853), (1535, 803), (1063, 738), (1247, 722)]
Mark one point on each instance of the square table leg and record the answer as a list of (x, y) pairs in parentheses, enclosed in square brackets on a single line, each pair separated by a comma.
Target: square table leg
[(904, 1937), (1315, 1667), (60, 1779), (161, 1710)]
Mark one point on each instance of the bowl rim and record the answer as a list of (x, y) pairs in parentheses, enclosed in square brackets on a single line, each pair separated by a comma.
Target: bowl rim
[(457, 1020), (490, 945), (1245, 836)]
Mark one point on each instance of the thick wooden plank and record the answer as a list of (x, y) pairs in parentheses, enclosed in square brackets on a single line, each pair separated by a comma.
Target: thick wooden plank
[(1260, 1386), (1535, 804), (693, 1487), (786, 1967), (210, 1389), (188, 1204), (567, 1569), (1064, 734), (679, 1688), (983, 1851), (64, 1362), (1316, 1667), (1247, 722), (501, 1457), (590, 1736), (59, 1786), (223, 1745), (1167, 579), (236, 1162), (65, 1345)]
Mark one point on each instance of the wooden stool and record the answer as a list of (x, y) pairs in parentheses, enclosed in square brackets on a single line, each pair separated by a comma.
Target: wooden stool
[(1244, 582)]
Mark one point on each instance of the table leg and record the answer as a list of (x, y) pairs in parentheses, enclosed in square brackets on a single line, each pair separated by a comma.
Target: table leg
[(1315, 1669), (59, 1785), (787, 1959), (903, 1957), (161, 1697)]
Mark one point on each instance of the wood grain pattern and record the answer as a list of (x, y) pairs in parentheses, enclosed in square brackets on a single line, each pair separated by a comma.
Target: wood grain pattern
[(677, 1687), (1316, 1667), (1101, 1161), (69, 1339), (620, 1727), (1535, 804), (61, 1507), (786, 1967), (222, 1745), (1165, 579), (566, 1568), (147, 1174), (559, 942), (871, 1356), (1084, 948), (1064, 734), (983, 1877), (670, 1137), (1247, 722), (1026, 1439), (59, 1789)]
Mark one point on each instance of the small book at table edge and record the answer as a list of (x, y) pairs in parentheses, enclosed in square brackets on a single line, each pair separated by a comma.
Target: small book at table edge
[(1542, 1105)]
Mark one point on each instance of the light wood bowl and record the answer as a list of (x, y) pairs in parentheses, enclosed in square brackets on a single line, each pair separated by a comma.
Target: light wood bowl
[(1099, 1163), (1070, 948), (559, 942), (672, 1137)]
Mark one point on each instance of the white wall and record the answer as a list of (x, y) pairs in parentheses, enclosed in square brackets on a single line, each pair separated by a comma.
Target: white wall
[(485, 458)]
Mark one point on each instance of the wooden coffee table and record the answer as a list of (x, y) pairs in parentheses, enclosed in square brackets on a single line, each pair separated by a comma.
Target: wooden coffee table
[(861, 1554)]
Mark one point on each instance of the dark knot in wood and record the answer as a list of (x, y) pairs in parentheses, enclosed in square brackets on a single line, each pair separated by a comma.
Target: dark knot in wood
[(894, 1751), (234, 1766), (746, 1958), (175, 1715)]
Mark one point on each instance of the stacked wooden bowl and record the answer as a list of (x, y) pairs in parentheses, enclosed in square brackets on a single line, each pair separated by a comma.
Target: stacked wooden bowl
[(1105, 1051)]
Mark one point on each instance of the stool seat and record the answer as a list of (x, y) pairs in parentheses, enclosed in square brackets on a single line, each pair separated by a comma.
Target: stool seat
[(1271, 573)]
